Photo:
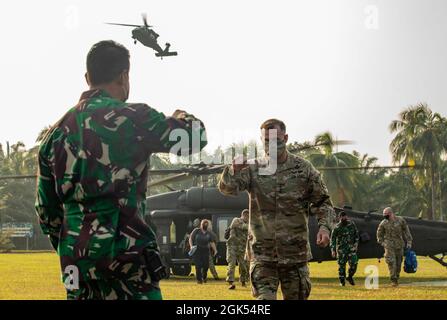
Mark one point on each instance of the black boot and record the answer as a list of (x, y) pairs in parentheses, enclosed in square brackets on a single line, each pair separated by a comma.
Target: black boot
[(342, 281), (351, 280), (232, 286)]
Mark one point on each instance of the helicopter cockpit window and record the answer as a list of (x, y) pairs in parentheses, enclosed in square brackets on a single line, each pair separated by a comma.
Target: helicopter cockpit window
[(222, 225)]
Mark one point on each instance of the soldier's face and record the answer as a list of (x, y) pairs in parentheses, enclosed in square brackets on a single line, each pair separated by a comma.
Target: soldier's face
[(386, 214), (271, 133)]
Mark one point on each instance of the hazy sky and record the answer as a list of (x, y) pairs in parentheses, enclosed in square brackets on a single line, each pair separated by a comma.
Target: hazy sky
[(348, 67)]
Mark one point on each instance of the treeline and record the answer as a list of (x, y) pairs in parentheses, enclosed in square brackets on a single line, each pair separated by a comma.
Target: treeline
[(420, 138)]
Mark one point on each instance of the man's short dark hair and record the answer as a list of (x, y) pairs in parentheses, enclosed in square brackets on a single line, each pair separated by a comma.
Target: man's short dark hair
[(106, 60), (342, 214), (272, 123)]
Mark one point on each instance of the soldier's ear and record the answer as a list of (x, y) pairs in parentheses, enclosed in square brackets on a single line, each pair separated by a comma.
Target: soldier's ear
[(87, 78), (286, 138), (124, 77)]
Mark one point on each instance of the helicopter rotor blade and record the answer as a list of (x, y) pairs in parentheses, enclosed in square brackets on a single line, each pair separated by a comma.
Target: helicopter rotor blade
[(371, 167), (176, 178), (144, 16), (123, 24), (343, 142)]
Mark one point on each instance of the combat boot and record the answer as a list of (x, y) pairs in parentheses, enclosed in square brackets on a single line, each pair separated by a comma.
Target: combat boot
[(232, 286), (244, 284), (342, 282), (351, 280)]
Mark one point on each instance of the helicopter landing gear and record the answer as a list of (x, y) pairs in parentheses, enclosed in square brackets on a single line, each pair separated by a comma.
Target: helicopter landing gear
[(442, 260), (183, 270)]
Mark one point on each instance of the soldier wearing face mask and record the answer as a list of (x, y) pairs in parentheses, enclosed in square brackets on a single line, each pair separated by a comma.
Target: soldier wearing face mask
[(394, 235), (284, 189)]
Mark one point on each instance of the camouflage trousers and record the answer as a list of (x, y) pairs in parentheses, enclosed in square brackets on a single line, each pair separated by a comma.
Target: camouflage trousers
[(212, 269), (138, 287), (351, 259), (393, 258), (236, 257), (266, 276)]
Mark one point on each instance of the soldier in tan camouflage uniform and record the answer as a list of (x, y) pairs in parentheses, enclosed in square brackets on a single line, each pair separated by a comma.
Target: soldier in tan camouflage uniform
[(281, 200), (236, 245), (394, 235), (213, 269)]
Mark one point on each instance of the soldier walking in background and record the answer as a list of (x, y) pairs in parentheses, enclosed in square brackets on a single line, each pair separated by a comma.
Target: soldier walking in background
[(206, 246), (92, 181), (394, 235), (213, 255), (281, 199), (236, 247), (344, 245)]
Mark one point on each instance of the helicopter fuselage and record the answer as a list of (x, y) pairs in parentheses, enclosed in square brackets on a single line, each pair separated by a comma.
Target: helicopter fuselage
[(179, 208), (146, 37)]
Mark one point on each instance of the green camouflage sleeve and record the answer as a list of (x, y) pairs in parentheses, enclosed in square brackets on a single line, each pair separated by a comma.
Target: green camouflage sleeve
[(321, 205), (380, 234), (407, 234), (160, 130), (48, 206), (231, 183), (333, 244)]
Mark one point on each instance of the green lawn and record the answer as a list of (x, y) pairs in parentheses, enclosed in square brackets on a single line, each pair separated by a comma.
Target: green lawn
[(37, 276)]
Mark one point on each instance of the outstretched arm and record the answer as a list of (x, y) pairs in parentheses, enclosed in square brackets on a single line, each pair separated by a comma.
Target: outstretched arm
[(182, 132), (234, 180)]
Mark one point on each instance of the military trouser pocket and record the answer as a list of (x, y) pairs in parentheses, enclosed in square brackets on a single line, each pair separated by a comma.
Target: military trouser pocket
[(305, 284), (254, 289)]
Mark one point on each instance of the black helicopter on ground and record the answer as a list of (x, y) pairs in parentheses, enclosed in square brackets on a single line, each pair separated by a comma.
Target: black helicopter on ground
[(148, 37), (173, 213)]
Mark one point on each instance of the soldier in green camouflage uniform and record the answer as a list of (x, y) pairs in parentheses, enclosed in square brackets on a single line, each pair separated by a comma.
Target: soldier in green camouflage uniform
[(281, 199), (236, 246), (394, 235), (91, 187), (344, 244)]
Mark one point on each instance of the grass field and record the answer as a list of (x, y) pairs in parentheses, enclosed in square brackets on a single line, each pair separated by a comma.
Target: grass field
[(37, 276)]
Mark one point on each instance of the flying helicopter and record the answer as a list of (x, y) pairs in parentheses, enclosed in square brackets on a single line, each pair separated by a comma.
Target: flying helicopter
[(148, 37)]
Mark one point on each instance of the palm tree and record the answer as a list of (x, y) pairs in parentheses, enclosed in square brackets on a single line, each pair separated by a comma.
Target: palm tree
[(421, 136), (341, 183)]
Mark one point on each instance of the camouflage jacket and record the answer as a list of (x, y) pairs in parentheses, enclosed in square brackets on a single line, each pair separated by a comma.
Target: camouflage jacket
[(91, 187), (238, 234), (345, 238), (394, 234), (280, 205)]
